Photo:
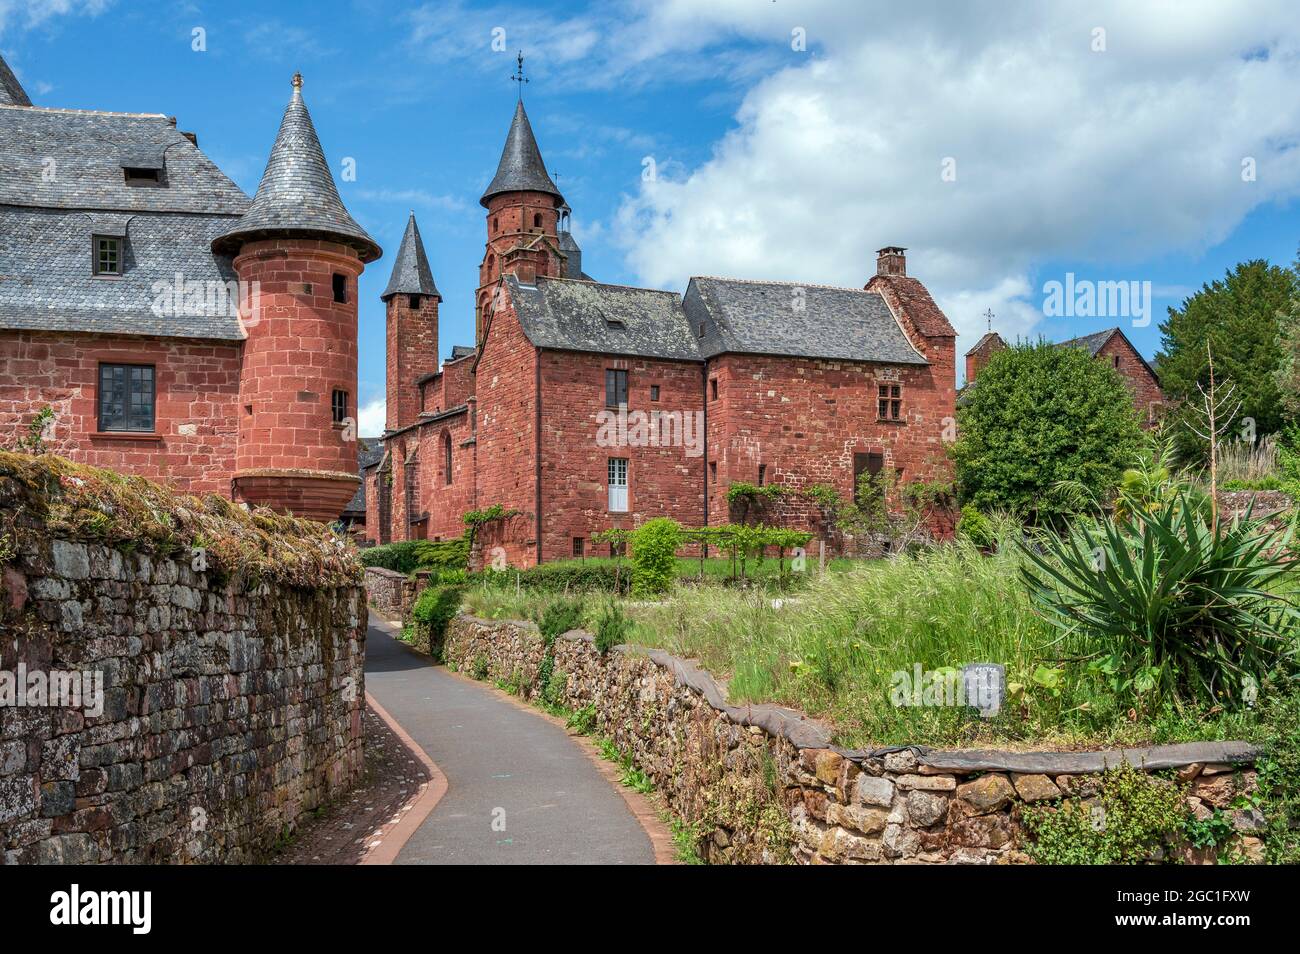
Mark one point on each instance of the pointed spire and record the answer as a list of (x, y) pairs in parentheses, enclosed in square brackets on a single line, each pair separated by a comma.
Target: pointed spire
[(11, 91), (411, 272), (297, 196), (521, 168)]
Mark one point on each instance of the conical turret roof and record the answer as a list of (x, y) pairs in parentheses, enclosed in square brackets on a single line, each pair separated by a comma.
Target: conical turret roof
[(411, 272), (297, 196), (521, 168)]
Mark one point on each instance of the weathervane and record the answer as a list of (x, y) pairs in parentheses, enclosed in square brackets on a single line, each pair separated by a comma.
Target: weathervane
[(519, 74)]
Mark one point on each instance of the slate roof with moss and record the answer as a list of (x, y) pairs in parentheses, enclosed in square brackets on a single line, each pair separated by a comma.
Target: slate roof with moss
[(411, 274), (520, 168)]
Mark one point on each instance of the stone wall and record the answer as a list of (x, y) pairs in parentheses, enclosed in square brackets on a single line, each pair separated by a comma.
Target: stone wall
[(763, 784), (220, 658), (389, 592)]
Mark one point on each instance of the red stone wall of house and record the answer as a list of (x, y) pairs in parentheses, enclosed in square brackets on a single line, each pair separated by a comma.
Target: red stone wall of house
[(197, 391), (412, 353), (802, 420), (457, 382), (446, 501), (521, 238), (580, 434), (373, 528), (506, 388), (1148, 400), (302, 345)]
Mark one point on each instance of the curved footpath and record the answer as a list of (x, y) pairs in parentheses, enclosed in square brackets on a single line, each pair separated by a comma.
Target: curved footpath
[(503, 764)]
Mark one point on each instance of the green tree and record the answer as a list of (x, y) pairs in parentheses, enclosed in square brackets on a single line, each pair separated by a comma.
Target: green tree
[(1242, 317), (1038, 417)]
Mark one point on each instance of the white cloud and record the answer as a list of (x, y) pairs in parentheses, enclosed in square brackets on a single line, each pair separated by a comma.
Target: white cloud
[(371, 418), (1061, 153), (27, 14)]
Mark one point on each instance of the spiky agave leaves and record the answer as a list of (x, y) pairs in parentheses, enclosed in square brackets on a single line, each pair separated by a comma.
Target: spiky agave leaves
[(1174, 605)]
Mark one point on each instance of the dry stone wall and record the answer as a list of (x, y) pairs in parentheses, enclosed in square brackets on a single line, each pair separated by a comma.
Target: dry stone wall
[(215, 706), (763, 784)]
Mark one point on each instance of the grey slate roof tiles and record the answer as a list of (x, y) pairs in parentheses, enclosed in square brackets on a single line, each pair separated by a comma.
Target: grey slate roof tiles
[(46, 282), (11, 91), (297, 195), (521, 168), (614, 319), (72, 159), (411, 273), (798, 320), (736, 317)]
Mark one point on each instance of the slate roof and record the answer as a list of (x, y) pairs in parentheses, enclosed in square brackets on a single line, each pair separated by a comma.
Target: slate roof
[(1098, 340), (754, 317), (297, 195), (11, 91), (370, 450), (411, 273), (61, 182), (461, 351), (989, 337), (46, 282), (521, 168), (73, 159), (573, 315)]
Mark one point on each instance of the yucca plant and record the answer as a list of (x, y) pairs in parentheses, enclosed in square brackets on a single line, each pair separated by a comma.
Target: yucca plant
[(1172, 604)]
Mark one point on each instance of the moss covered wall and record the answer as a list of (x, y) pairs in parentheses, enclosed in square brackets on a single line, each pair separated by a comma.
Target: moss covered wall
[(220, 653)]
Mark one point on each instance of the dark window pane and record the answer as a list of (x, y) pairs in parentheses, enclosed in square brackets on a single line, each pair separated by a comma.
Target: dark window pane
[(126, 397)]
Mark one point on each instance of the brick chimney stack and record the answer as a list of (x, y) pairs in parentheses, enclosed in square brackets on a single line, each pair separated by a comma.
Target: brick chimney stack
[(890, 260)]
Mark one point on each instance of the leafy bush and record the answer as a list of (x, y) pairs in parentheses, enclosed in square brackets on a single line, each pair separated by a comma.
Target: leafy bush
[(1037, 416), (1175, 606), (559, 617), (654, 556), (612, 628), (554, 686), (975, 527), (434, 609), (1135, 815), (410, 555)]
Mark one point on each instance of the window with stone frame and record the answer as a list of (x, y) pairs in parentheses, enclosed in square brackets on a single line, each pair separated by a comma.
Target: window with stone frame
[(889, 402), (339, 406), (127, 396), (615, 387)]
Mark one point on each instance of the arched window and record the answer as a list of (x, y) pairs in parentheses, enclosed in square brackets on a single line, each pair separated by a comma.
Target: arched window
[(446, 457), (537, 220), (494, 224)]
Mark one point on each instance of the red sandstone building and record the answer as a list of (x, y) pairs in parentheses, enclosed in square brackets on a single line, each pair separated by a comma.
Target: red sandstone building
[(178, 330), (1111, 346), (585, 406)]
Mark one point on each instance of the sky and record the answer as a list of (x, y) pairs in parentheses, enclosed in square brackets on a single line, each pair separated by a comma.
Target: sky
[(1007, 145)]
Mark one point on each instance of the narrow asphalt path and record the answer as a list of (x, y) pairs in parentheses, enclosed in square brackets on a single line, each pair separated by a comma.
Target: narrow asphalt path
[(503, 765)]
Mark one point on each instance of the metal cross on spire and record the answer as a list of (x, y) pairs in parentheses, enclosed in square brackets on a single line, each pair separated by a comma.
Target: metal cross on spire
[(988, 315), (519, 77)]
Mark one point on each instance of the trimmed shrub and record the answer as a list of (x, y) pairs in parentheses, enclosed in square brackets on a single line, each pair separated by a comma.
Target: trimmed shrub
[(572, 577), (433, 610), (654, 556)]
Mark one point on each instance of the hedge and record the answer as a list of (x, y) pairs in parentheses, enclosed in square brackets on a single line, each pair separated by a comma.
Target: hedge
[(411, 555)]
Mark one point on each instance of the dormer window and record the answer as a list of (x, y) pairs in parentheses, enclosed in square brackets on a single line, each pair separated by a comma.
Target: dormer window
[(106, 255), (137, 176)]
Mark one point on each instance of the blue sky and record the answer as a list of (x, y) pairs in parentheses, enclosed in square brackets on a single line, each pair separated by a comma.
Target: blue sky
[(777, 155)]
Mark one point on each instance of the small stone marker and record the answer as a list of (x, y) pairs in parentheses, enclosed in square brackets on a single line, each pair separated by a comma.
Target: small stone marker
[(985, 686)]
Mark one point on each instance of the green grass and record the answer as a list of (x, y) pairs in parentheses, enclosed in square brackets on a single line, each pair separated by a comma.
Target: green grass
[(831, 648)]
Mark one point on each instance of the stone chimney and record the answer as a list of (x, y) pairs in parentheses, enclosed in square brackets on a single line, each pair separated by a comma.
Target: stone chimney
[(890, 260)]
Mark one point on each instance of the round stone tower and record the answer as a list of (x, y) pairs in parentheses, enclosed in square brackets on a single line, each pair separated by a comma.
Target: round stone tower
[(298, 254)]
